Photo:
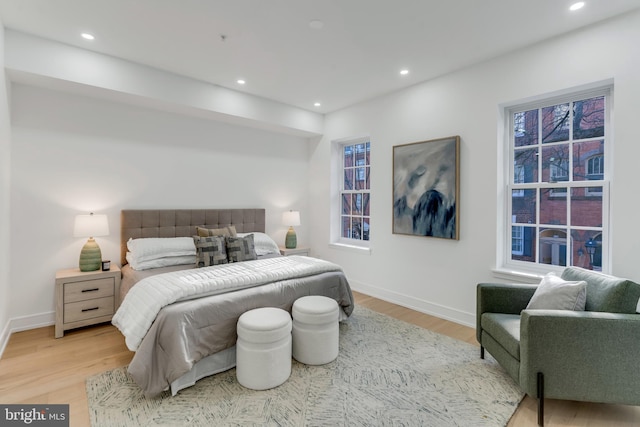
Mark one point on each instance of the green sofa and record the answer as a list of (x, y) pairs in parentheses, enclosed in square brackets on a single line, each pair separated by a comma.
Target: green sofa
[(591, 355)]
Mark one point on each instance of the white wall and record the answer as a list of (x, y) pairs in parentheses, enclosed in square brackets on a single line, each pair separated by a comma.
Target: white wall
[(5, 151), (33, 60), (73, 154), (439, 276)]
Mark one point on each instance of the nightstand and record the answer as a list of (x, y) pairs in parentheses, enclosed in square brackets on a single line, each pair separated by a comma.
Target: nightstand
[(86, 298), (300, 250)]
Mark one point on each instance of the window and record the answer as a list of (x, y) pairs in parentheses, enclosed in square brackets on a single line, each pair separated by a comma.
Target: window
[(595, 167), (355, 189), (559, 169), (557, 188), (517, 240), (518, 178), (595, 172)]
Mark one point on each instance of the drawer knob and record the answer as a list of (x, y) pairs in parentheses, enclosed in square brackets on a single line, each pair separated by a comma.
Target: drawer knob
[(91, 290), (90, 309)]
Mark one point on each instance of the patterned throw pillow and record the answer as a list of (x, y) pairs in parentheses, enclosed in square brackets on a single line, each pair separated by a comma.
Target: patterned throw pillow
[(241, 248), (228, 231), (211, 250)]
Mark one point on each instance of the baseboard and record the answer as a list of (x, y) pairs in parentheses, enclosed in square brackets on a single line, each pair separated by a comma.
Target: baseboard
[(33, 321), (4, 337), (426, 307), (25, 323)]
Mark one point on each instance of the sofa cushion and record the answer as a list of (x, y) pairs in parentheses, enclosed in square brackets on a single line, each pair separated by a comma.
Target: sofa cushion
[(554, 293), (505, 329), (502, 356), (606, 293)]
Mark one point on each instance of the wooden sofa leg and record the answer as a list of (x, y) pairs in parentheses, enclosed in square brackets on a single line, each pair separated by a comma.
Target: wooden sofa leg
[(540, 399), (481, 352)]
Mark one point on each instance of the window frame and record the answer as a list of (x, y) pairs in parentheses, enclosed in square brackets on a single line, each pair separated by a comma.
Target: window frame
[(337, 172), (507, 188)]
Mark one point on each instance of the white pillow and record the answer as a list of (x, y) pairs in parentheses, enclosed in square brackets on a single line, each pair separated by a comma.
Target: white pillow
[(554, 293), (150, 248), (263, 243), (160, 262)]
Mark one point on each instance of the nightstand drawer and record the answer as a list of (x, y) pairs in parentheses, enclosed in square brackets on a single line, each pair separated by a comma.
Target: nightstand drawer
[(88, 309), (88, 289)]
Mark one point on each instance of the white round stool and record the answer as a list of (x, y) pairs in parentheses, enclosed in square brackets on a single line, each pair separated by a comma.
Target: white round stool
[(315, 330), (263, 349)]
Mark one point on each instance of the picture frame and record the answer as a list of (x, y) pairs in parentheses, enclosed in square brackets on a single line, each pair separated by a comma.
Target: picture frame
[(426, 188)]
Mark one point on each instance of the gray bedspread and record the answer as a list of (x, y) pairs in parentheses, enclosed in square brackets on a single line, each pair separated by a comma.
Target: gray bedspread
[(186, 332)]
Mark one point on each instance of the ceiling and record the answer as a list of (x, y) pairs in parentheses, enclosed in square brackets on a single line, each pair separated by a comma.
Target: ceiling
[(356, 55)]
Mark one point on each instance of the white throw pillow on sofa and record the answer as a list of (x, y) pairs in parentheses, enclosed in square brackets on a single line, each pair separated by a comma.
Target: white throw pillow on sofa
[(554, 293)]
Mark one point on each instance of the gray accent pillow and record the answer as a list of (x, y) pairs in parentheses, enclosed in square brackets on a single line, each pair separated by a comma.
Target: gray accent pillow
[(241, 248), (210, 250), (554, 293)]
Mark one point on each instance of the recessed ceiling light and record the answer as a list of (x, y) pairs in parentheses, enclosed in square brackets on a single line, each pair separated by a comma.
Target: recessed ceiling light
[(576, 6), (316, 104), (404, 72), (241, 82), (316, 24), (87, 36)]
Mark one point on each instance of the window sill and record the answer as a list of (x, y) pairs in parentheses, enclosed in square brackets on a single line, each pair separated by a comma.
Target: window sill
[(518, 276), (351, 248)]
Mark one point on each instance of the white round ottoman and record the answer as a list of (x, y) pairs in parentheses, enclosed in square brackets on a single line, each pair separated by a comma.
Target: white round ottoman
[(263, 349), (315, 330)]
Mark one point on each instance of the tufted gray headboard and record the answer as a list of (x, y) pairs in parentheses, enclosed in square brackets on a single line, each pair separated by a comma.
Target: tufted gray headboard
[(182, 223)]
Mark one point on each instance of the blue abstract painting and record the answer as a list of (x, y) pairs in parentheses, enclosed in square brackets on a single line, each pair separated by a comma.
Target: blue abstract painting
[(426, 188)]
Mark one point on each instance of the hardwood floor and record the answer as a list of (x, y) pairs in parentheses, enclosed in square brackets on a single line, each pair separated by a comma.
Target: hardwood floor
[(36, 368)]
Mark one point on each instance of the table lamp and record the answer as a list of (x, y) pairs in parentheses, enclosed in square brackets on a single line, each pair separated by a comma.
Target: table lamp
[(90, 226), (291, 219)]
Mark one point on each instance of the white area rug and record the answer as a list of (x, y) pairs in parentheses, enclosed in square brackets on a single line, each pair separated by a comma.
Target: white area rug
[(388, 373)]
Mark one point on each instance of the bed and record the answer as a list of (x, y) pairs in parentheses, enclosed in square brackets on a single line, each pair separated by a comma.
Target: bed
[(193, 334)]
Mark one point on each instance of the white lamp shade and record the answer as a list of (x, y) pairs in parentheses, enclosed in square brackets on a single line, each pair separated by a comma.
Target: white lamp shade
[(291, 218), (91, 226)]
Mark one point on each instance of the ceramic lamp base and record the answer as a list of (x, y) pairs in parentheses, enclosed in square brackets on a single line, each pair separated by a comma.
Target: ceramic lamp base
[(291, 241), (90, 256)]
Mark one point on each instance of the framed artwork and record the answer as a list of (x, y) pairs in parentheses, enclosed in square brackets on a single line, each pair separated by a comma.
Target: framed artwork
[(426, 188)]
